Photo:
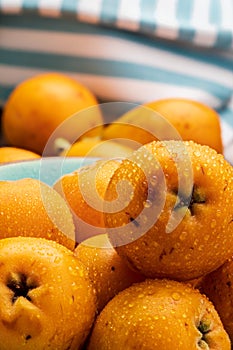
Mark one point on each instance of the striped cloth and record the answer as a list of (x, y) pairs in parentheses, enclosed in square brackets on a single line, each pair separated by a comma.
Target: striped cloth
[(125, 50)]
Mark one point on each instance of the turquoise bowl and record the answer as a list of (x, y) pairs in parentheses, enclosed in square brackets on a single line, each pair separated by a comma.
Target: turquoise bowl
[(46, 169)]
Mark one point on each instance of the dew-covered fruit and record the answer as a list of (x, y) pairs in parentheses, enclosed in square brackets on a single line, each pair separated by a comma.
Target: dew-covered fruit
[(108, 272), (31, 208), (83, 190), (159, 314), (172, 210), (46, 298), (218, 286)]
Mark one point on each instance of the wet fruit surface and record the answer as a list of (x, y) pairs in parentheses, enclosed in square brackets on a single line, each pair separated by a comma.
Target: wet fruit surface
[(218, 287), (31, 208), (47, 300), (84, 190), (176, 218), (107, 270), (159, 314), (168, 212)]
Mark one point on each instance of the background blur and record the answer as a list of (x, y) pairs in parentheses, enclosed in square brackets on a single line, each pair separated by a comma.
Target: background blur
[(125, 50)]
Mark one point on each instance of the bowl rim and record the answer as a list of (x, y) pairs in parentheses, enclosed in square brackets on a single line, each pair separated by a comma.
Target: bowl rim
[(46, 169)]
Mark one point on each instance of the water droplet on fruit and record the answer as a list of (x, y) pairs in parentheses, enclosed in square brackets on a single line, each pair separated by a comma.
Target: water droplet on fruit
[(141, 296), (176, 296), (183, 236), (213, 223), (197, 153), (147, 203), (154, 244)]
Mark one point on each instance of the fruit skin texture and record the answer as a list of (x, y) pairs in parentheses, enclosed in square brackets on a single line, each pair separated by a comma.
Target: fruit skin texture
[(218, 287), (139, 126), (12, 154), (169, 119), (192, 119), (84, 191), (94, 147), (37, 106), (159, 314), (202, 240), (54, 308), (107, 270), (31, 208)]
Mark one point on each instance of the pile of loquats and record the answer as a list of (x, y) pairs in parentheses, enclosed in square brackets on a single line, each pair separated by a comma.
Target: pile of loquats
[(131, 252)]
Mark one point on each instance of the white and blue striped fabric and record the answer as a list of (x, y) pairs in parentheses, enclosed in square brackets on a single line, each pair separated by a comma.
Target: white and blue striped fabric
[(125, 50)]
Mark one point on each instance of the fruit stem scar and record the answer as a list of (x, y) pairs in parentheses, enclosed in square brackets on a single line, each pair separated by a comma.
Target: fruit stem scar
[(204, 328), (18, 283), (197, 197)]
